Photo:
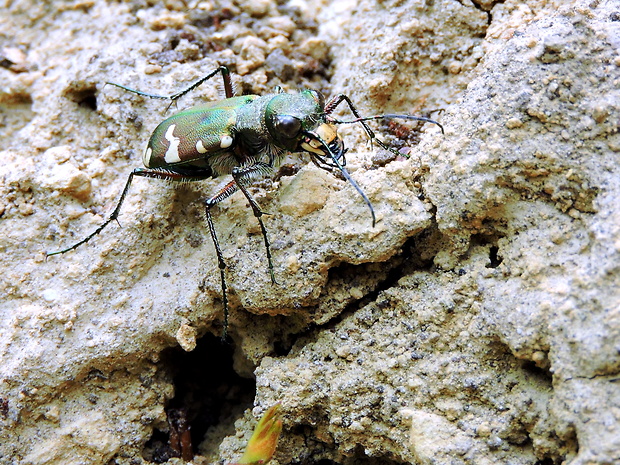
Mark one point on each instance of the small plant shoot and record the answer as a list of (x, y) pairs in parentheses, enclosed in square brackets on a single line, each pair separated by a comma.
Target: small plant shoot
[(245, 137), (262, 444)]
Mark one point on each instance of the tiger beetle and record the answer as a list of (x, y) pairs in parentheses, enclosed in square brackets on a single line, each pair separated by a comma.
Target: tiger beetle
[(246, 137)]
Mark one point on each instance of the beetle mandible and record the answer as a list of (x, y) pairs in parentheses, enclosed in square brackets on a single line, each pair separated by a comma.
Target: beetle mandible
[(246, 137)]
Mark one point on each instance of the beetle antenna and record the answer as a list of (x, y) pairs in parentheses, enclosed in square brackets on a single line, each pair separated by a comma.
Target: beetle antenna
[(345, 173), (388, 116)]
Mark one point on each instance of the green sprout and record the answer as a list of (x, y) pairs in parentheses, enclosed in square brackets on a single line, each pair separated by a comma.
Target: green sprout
[(262, 444)]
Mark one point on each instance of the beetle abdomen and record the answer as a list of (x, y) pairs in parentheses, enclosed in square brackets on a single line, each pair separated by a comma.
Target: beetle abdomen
[(194, 136)]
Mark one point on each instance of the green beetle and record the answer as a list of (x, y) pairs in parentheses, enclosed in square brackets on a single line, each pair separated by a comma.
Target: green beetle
[(245, 137)]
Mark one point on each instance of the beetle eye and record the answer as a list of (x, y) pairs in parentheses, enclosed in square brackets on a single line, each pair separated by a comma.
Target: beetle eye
[(287, 125)]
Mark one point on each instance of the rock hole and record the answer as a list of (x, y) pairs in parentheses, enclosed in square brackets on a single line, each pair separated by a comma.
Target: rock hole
[(208, 397), (495, 260), (536, 371), (82, 93), (89, 101), (546, 461)]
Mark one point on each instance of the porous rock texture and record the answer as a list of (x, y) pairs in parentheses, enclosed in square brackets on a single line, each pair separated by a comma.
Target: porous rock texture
[(477, 323)]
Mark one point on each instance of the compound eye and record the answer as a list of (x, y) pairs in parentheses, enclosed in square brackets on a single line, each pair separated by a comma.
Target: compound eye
[(288, 126)]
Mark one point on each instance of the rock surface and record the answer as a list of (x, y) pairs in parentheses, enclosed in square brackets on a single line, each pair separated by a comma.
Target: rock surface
[(477, 323)]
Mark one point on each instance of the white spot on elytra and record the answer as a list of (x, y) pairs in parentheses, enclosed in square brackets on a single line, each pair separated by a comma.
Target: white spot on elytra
[(172, 154), (200, 147), (226, 141), (146, 156)]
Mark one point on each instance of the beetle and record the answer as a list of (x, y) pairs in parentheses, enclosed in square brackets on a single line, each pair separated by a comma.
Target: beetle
[(246, 137)]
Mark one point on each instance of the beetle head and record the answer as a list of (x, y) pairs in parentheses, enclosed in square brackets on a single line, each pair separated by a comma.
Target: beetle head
[(288, 116), (297, 122)]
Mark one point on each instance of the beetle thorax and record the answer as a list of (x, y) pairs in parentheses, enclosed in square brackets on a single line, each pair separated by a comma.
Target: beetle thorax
[(273, 124)]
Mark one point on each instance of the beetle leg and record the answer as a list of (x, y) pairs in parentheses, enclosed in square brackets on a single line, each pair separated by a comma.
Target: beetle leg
[(220, 261), (111, 218), (228, 190), (228, 90), (242, 175), (146, 173), (239, 178), (337, 100), (174, 97)]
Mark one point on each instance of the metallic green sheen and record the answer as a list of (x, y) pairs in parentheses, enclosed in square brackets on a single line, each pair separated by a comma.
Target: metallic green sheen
[(207, 123), (307, 106)]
